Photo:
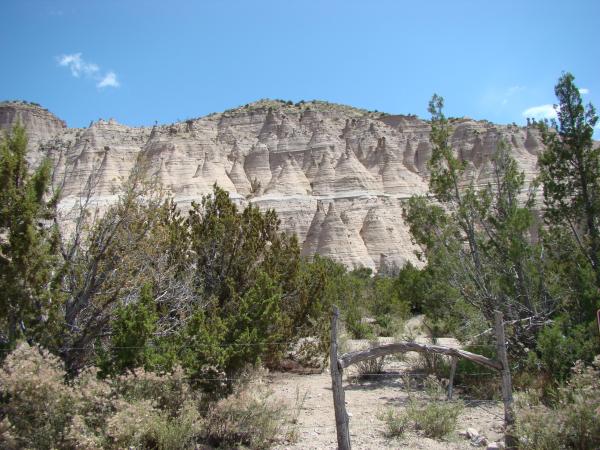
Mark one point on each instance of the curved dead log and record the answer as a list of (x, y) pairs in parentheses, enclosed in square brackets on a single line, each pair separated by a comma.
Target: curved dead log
[(348, 359)]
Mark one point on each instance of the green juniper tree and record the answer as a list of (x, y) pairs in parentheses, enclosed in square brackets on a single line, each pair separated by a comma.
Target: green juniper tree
[(28, 250), (570, 171), (477, 238), (570, 176)]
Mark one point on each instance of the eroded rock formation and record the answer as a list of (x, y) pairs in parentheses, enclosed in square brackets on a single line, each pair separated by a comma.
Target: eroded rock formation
[(336, 175)]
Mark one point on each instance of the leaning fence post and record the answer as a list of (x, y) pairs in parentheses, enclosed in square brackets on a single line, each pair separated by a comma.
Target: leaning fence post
[(451, 380), (339, 401), (507, 398)]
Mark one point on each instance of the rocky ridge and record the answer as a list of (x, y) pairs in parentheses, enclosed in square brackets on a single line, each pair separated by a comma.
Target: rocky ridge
[(336, 175)]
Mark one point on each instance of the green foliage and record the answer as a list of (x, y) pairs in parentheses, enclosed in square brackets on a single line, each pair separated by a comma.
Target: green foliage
[(570, 176), (139, 240), (132, 329), (232, 248), (570, 171), (233, 291), (477, 241), (560, 345), (222, 341), (411, 285), (359, 294), (483, 252), (389, 299), (434, 417), (246, 270), (29, 300), (445, 169)]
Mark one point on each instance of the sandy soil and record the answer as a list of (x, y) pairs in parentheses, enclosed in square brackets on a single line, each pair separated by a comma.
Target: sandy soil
[(316, 423), (365, 401)]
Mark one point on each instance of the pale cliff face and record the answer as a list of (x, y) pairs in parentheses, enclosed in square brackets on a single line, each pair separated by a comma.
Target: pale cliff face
[(335, 175), (41, 125)]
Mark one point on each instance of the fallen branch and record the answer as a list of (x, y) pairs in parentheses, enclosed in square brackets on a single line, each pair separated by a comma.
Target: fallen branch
[(348, 359)]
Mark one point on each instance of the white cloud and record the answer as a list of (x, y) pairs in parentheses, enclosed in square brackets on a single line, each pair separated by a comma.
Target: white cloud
[(79, 67), (584, 91), (110, 79), (540, 112)]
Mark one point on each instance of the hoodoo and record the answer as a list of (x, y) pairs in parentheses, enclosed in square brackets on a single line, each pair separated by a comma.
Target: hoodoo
[(301, 160)]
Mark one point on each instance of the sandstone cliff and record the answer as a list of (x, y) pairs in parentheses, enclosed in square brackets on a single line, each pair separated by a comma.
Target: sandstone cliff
[(336, 175)]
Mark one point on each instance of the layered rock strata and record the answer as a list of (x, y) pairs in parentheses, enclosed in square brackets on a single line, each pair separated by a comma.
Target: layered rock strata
[(336, 175)]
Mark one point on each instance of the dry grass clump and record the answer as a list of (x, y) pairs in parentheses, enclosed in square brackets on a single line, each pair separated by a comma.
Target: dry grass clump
[(396, 422), (436, 419), (140, 424), (432, 416), (138, 410), (370, 368), (248, 417)]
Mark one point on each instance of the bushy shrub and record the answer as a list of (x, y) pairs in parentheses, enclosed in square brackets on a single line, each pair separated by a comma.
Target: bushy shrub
[(139, 409), (95, 404), (388, 325), (431, 364), (371, 367), (357, 328), (249, 417), (169, 392), (572, 421), (308, 352), (38, 405), (435, 418), (396, 423), (560, 345), (140, 424)]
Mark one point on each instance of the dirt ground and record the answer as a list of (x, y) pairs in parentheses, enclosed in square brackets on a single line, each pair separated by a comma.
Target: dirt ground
[(316, 422), (365, 401)]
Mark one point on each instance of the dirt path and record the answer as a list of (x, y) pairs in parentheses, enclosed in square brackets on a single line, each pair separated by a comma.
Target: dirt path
[(316, 423), (365, 401)]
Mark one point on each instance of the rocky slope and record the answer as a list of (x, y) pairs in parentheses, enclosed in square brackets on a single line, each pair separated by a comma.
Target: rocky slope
[(336, 175)]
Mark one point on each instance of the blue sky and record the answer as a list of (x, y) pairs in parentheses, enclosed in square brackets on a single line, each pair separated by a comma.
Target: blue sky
[(146, 61)]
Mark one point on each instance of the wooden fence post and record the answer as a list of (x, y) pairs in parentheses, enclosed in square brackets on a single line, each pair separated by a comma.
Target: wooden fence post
[(339, 401), (507, 398), (451, 380)]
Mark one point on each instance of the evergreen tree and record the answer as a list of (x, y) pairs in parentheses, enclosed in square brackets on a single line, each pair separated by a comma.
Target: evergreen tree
[(246, 280), (477, 240), (570, 175), (140, 240), (28, 253), (570, 171)]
